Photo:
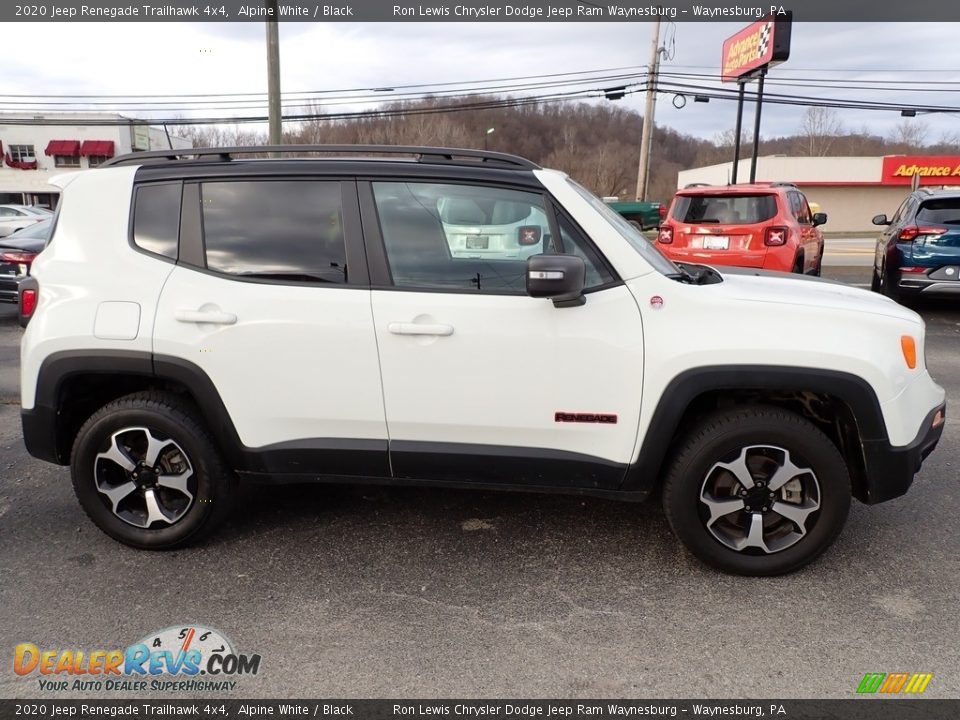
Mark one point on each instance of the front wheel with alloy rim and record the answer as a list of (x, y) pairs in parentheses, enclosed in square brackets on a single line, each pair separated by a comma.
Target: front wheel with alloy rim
[(148, 474), (757, 491)]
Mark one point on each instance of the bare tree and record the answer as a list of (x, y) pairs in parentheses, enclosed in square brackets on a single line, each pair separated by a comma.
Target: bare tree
[(220, 136), (819, 130), (910, 134), (608, 168), (951, 139), (727, 138)]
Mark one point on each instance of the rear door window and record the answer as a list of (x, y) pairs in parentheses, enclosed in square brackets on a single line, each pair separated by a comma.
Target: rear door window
[(745, 209), (288, 230)]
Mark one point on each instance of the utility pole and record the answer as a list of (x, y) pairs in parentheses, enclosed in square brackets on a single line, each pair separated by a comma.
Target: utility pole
[(653, 70), (273, 75)]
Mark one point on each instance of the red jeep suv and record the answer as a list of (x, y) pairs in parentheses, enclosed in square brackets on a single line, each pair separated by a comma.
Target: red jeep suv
[(762, 225)]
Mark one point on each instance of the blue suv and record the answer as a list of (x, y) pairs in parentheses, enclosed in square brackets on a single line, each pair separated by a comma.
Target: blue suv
[(919, 251)]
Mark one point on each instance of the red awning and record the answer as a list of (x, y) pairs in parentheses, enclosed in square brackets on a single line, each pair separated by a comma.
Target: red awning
[(70, 148), (97, 147)]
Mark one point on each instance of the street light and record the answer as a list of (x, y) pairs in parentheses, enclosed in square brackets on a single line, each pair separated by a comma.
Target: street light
[(486, 135)]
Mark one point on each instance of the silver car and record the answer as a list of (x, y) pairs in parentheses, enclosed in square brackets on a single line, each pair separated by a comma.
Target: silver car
[(14, 217)]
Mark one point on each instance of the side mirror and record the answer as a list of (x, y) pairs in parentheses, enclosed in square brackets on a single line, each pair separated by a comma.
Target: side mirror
[(880, 220), (559, 277), (819, 219)]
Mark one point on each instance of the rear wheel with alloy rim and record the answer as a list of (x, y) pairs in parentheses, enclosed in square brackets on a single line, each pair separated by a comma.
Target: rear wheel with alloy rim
[(757, 491), (148, 474)]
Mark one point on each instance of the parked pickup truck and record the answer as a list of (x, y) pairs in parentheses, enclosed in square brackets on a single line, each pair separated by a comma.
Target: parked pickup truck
[(645, 214)]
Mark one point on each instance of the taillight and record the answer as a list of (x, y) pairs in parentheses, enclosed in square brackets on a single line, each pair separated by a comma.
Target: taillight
[(17, 256), (665, 236), (775, 236), (913, 269), (29, 297), (528, 235), (912, 232), (662, 210)]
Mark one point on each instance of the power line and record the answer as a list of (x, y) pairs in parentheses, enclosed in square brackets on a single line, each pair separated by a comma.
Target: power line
[(666, 86), (380, 88), (386, 112), (24, 106)]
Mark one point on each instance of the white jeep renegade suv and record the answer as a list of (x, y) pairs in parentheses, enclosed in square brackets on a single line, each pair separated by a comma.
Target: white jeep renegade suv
[(200, 319)]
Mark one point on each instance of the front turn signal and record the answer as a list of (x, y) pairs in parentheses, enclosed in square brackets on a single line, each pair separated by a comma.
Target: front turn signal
[(909, 347)]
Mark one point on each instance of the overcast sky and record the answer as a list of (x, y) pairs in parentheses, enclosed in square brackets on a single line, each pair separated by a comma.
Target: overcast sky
[(153, 58)]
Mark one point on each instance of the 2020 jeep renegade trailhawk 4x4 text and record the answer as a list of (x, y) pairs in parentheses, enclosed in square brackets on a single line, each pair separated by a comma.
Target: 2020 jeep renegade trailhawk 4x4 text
[(200, 319)]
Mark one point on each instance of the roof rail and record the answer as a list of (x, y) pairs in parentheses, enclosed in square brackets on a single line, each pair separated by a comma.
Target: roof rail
[(693, 185), (433, 155), (782, 184)]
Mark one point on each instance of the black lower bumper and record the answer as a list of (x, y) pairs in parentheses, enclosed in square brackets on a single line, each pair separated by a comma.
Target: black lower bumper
[(9, 288), (40, 434), (889, 469)]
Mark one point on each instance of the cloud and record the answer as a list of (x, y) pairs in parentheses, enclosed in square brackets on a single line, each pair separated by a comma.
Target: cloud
[(213, 58)]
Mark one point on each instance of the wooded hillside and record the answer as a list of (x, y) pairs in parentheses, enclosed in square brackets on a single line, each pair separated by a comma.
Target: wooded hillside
[(597, 144)]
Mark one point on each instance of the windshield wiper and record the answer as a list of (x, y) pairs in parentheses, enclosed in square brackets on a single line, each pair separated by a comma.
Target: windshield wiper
[(696, 274), (683, 275)]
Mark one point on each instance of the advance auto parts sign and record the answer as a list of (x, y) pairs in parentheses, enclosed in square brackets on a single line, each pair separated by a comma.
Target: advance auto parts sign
[(932, 169), (760, 45)]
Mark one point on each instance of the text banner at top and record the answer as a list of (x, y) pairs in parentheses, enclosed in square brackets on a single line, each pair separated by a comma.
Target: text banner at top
[(477, 11)]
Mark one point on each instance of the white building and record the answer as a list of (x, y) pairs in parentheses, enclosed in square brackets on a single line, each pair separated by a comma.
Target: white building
[(53, 143), (851, 190)]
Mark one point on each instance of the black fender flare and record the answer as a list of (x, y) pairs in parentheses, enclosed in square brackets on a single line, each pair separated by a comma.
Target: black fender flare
[(686, 387), (40, 423)]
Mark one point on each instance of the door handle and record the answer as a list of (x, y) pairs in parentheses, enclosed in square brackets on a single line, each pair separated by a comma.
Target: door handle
[(409, 328), (215, 317)]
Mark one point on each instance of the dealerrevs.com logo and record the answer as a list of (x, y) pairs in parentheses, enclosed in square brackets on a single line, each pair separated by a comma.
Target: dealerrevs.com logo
[(188, 658)]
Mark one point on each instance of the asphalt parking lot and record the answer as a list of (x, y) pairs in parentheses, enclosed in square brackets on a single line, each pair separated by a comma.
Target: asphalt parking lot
[(365, 592)]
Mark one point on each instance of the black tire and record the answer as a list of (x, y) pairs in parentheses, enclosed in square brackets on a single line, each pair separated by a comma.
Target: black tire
[(724, 435), (818, 270), (184, 438), (798, 265), (889, 288), (875, 281)]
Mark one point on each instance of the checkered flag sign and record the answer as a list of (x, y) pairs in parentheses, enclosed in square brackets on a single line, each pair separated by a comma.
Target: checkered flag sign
[(764, 39)]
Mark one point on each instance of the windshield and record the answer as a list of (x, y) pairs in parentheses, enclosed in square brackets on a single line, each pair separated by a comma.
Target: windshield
[(629, 233), (725, 209)]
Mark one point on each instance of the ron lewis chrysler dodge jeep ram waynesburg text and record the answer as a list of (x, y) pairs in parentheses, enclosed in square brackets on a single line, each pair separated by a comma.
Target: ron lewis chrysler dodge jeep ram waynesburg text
[(448, 317)]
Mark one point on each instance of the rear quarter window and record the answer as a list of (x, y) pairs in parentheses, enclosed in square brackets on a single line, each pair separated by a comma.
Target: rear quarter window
[(156, 218), (724, 209)]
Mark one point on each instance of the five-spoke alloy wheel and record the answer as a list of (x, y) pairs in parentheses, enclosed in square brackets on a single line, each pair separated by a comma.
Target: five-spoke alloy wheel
[(147, 472), (757, 491), (761, 501), (147, 480)]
